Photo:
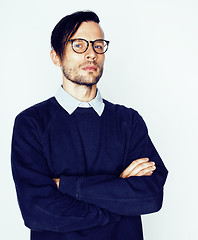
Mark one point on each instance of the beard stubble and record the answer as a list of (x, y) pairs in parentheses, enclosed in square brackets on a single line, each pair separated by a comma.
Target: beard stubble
[(80, 79)]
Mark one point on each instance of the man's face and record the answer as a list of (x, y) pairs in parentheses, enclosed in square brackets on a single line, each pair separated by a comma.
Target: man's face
[(85, 68)]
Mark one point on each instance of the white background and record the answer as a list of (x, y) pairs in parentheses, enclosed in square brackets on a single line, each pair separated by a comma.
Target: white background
[(151, 65)]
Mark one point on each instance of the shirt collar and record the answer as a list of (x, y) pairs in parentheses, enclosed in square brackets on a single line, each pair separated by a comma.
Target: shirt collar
[(69, 103)]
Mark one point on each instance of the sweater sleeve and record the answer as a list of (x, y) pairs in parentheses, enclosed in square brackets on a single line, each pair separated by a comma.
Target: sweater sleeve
[(130, 196), (43, 207)]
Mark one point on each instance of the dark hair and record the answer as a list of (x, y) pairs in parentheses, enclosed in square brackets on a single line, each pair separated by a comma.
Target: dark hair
[(67, 27)]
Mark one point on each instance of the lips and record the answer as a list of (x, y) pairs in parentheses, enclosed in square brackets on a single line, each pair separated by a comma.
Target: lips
[(90, 68)]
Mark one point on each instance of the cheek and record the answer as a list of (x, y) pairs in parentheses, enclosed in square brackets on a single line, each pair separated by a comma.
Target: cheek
[(77, 60), (72, 62), (101, 60), (71, 58)]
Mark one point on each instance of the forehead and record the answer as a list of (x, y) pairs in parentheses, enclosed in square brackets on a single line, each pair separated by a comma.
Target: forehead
[(89, 30)]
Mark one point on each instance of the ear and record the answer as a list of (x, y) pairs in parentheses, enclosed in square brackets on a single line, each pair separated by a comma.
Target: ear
[(55, 58)]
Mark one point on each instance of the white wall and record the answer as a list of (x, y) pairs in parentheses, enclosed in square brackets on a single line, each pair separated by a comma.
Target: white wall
[(152, 66)]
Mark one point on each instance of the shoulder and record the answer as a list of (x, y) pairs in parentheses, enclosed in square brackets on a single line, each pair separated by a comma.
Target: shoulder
[(121, 110), (48, 106), (39, 114), (126, 115)]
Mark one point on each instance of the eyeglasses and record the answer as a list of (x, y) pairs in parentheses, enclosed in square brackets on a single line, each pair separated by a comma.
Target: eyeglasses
[(81, 45)]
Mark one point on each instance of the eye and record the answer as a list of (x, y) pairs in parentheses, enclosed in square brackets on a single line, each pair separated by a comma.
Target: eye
[(79, 45), (99, 45)]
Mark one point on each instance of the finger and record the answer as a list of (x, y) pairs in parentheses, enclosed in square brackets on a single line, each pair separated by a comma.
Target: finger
[(137, 162), (134, 164), (142, 169), (139, 168), (146, 171), (148, 174)]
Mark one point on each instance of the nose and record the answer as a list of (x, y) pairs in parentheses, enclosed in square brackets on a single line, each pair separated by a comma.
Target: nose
[(90, 53)]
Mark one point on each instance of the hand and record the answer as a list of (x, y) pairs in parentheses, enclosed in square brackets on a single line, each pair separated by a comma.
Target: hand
[(57, 180), (139, 167)]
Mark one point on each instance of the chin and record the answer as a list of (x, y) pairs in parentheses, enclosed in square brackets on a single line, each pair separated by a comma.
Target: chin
[(85, 83), (88, 83)]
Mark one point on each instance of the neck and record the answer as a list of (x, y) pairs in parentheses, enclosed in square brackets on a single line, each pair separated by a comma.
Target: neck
[(81, 92)]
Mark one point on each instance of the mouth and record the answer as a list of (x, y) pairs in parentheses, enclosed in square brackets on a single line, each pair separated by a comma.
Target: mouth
[(91, 68)]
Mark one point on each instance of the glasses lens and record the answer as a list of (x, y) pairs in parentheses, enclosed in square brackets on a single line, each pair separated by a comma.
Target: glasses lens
[(100, 46), (79, 45)]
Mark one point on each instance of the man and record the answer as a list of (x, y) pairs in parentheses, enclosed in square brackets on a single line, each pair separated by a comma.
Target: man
[(84, 168)]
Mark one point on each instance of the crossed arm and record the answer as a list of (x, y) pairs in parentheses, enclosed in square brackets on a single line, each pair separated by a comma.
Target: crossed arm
[(99, 200), (137, 191), (139, 167)]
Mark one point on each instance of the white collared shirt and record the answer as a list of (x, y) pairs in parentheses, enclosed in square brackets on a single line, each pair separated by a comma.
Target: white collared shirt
[(69, 103)]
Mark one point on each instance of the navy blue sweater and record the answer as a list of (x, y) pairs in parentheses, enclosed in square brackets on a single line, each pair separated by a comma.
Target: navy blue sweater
[(88, 153)]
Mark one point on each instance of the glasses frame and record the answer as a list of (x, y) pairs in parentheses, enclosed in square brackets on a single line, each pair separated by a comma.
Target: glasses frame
[(88, 42)]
